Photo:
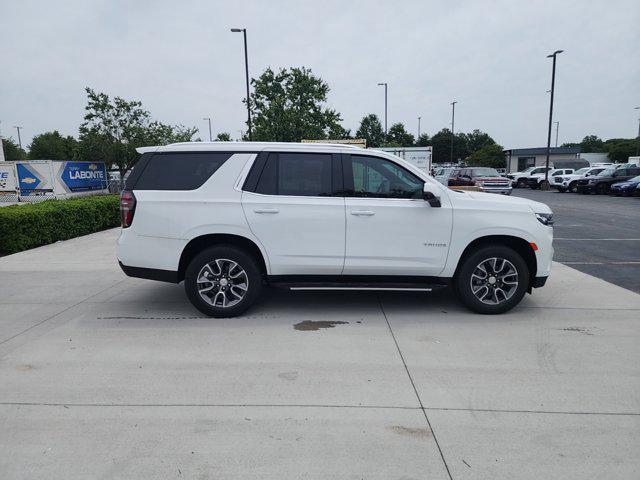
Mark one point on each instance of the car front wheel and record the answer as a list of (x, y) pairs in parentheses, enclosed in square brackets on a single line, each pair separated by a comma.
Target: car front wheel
[(492, 280), (222, 281)]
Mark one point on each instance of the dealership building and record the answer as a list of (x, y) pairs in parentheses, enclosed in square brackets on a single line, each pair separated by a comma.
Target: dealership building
[(519, 159)]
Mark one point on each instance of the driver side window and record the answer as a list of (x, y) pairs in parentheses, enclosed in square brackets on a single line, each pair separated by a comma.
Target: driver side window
[(380, 178)]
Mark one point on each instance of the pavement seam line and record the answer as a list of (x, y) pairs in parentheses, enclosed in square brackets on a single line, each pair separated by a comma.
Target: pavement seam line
[(59, 313), (415, 390)]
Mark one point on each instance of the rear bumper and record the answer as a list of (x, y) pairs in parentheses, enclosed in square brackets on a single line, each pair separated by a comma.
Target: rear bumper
[(150, 273)]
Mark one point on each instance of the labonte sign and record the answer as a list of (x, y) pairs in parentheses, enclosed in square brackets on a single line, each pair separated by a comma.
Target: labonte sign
[(82, 176)]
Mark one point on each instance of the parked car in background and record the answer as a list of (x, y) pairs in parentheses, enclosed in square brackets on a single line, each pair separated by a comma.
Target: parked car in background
[(601, 183), (519, 179), (535, 181), (229, 217), (567, 183), (625, 188), (442, 175), (486, 179)]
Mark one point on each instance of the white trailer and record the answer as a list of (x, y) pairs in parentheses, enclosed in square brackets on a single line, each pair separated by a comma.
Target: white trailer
[(418, 156)]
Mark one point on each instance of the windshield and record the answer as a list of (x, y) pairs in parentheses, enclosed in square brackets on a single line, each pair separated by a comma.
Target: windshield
[(485, 172), (582, 170), (527, 170), (607, 173), (634, 179)]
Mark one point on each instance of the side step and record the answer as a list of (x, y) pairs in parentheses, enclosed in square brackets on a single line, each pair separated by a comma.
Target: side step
[(425, 284)]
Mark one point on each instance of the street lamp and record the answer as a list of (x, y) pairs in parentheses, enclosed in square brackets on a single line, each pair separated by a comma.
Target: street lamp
[(19, 139), (557, 128), (385, 109), (209, 120), (638, 139), (419, 118), (246, 69), (553, 85), (453, 124)]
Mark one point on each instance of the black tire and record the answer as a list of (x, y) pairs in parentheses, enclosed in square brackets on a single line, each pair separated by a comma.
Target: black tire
[(572, 187), (521, 183), (232, 290), (561, 189), (463, 280), (602, 189)]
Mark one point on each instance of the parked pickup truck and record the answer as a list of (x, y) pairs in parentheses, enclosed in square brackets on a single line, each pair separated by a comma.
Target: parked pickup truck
[(486, 179), (519, 179), (535, 181)]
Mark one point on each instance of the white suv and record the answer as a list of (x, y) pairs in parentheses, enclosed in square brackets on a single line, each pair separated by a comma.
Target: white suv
[(228, 218)]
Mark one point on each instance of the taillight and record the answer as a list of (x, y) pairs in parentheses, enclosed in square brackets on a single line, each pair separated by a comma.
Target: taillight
[(127, 208)]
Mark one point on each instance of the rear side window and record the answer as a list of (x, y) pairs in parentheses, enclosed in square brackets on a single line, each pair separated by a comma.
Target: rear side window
[(297, 174), (179, 170)]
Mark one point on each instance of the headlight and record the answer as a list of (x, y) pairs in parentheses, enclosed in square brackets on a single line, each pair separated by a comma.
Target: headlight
[(545, 218)]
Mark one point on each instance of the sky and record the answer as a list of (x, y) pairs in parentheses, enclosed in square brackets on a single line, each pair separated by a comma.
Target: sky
[(180, 59)]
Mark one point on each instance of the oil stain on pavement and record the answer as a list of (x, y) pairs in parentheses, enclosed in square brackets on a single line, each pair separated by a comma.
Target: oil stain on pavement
[(310, 325)]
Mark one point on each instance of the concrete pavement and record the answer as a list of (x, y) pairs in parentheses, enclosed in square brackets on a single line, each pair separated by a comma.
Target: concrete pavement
[(109, 377)]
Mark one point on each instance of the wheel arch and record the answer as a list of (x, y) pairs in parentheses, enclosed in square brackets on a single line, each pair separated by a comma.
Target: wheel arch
[(519, 244), (197, 244)]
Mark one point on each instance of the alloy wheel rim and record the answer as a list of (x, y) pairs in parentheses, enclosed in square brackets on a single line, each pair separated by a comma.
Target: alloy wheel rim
[(222, 283), (494, 281)]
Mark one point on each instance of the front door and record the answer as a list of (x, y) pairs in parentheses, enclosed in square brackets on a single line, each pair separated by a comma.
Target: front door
[(296, 213), (391, 230)]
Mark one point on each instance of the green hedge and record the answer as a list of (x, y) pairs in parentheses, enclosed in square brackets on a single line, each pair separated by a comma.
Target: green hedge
[(31, 225)]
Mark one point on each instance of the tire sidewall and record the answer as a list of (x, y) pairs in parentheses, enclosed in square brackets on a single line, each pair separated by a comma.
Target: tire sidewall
[(463, 279), (245, 261)]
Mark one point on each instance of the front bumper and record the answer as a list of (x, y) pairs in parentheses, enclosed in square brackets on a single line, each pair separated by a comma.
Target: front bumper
[(499, 190)]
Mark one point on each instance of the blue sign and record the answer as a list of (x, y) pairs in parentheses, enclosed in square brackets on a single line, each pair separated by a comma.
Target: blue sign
[(81, 176), (28, 178)]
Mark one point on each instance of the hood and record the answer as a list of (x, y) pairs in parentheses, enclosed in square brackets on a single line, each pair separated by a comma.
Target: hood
[(498, 202), (491, 179)]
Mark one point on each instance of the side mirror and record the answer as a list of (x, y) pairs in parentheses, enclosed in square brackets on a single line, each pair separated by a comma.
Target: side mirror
[(431, 198)]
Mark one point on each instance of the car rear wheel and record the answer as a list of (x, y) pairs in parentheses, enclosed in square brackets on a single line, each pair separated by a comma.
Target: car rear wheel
[(521, 183), (222, 281), (572, 187), (492, 280)]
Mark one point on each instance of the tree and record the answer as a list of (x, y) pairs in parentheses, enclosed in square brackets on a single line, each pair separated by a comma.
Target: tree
[(288, 106), (114, 128), (399, 137), (371, 130), (476, 140), (592, 144), (620, 149), (490, 155), (423, 140), (12, 151), (52, 146), (223, 137)]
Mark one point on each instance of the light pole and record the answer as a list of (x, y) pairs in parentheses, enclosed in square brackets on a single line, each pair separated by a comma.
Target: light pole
[(385, 109), (419, 118), (209, 120), (246, 70), (638, 139), (453, 125), (553, 86), (19, 139), (557, 128)]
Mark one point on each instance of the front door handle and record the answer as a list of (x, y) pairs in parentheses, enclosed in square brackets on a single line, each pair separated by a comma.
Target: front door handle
[(363, 213), (266, 210)]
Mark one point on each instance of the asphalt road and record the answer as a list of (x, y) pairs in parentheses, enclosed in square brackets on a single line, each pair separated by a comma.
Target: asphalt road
[(596, 234)]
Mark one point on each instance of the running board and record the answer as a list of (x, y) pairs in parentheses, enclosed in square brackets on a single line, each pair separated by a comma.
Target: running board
[(367, 283)]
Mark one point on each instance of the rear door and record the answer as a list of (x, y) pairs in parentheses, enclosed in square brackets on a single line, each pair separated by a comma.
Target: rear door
[(391, 230), (294, 205)]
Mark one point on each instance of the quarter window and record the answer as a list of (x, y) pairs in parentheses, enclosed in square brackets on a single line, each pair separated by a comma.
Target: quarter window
[(380, 178), (178, 171)]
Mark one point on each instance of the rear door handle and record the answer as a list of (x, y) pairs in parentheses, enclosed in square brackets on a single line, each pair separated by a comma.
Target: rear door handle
[(362, 213), (266, 210)]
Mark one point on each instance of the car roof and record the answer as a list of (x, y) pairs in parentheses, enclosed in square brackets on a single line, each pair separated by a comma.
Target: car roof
[(246, 147)]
